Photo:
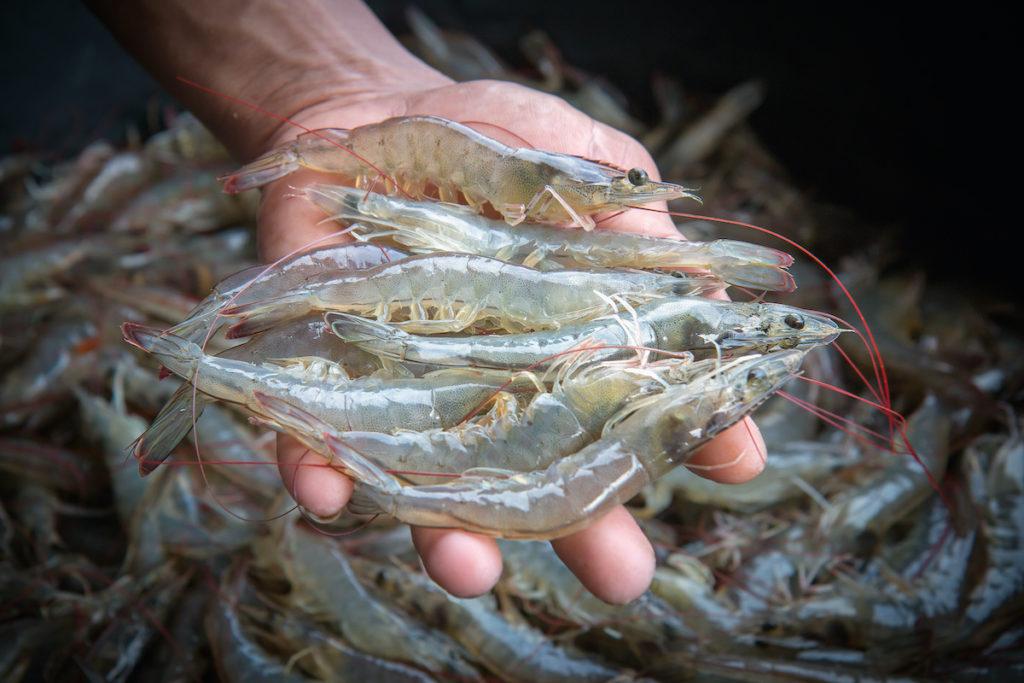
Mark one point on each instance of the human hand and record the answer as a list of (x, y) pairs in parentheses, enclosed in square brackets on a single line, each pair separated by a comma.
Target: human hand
[(612, 557), (331, 63)]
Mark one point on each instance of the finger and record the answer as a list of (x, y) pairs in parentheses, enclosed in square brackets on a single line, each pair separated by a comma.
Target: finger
[(289, 222), (611, 557), (318, 488), (735, 456), (463, 563)]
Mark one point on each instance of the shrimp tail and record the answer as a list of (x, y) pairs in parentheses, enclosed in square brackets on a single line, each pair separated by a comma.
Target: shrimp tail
[(757, 277), (178, 355), (262, 315), (169, 427), (371, 335), (275, 164)]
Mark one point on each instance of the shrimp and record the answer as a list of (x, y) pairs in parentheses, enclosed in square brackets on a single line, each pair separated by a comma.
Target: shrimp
[(512, 651), (431, 226), (536, 574), (329, 658), (320, 575), (860, 518), (705, 327), (437, 400), (188, 201), (451, 292), (996, 599), (574, 491), (259, 282), (553, 425), (186, 142), (788, 471), (418, 151), (237, 656), (306, 337)]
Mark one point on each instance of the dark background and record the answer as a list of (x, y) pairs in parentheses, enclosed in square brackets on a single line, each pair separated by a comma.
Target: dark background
[(907, 116)]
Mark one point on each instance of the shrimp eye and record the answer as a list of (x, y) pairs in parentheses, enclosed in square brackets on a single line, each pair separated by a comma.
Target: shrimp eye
[(637, 176), (756, 376), (795, 321)]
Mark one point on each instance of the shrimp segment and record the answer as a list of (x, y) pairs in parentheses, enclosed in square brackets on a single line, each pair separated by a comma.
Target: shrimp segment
[(574, 491), (425, 227), (419, 151)]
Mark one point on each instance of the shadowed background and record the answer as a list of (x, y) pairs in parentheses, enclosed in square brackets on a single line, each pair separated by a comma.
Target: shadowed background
[(899, 115)]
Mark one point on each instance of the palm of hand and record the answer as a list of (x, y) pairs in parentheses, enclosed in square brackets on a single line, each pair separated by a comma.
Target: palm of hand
[(612, 557)]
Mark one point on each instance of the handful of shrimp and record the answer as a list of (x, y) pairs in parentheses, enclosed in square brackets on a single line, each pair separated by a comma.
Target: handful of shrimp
[(522, 362)]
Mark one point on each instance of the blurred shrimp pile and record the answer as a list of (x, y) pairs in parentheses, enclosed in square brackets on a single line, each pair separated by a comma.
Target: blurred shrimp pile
[(484, 366)]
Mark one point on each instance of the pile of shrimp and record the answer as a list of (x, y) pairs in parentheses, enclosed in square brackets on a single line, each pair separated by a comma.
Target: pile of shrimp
[(487, 356)]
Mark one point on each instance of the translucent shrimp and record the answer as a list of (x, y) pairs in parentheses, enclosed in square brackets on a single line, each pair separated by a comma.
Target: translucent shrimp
[(259, 282), (420, 151), (437, 400), (536, 574), (322, 578), (510, 649), (554, 424), (450, 292), (237, 655), (705, 327), (308, 337), (574, 491), (431, 226)]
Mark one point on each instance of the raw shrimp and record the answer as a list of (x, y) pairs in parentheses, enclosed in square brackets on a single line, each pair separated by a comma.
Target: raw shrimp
[(329, 658), (417, 151), (512, 651), (437, 400), (704, 326), (789, 470), (186, 142), (306, 337), (554, 424), (996, 599), (430, 226), (537, 575), (237, 655), (259, 282), (863, 514), (188, 201), (451, 292), (576, 490), (320, 573)]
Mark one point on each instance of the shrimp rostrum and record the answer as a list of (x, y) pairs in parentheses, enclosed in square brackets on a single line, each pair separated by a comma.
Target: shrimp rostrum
[(572, 492), (415, 153)]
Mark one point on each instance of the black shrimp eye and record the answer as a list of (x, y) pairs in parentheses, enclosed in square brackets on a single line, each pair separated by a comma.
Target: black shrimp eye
[(756, 375), (637, 176), (795, 321)]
